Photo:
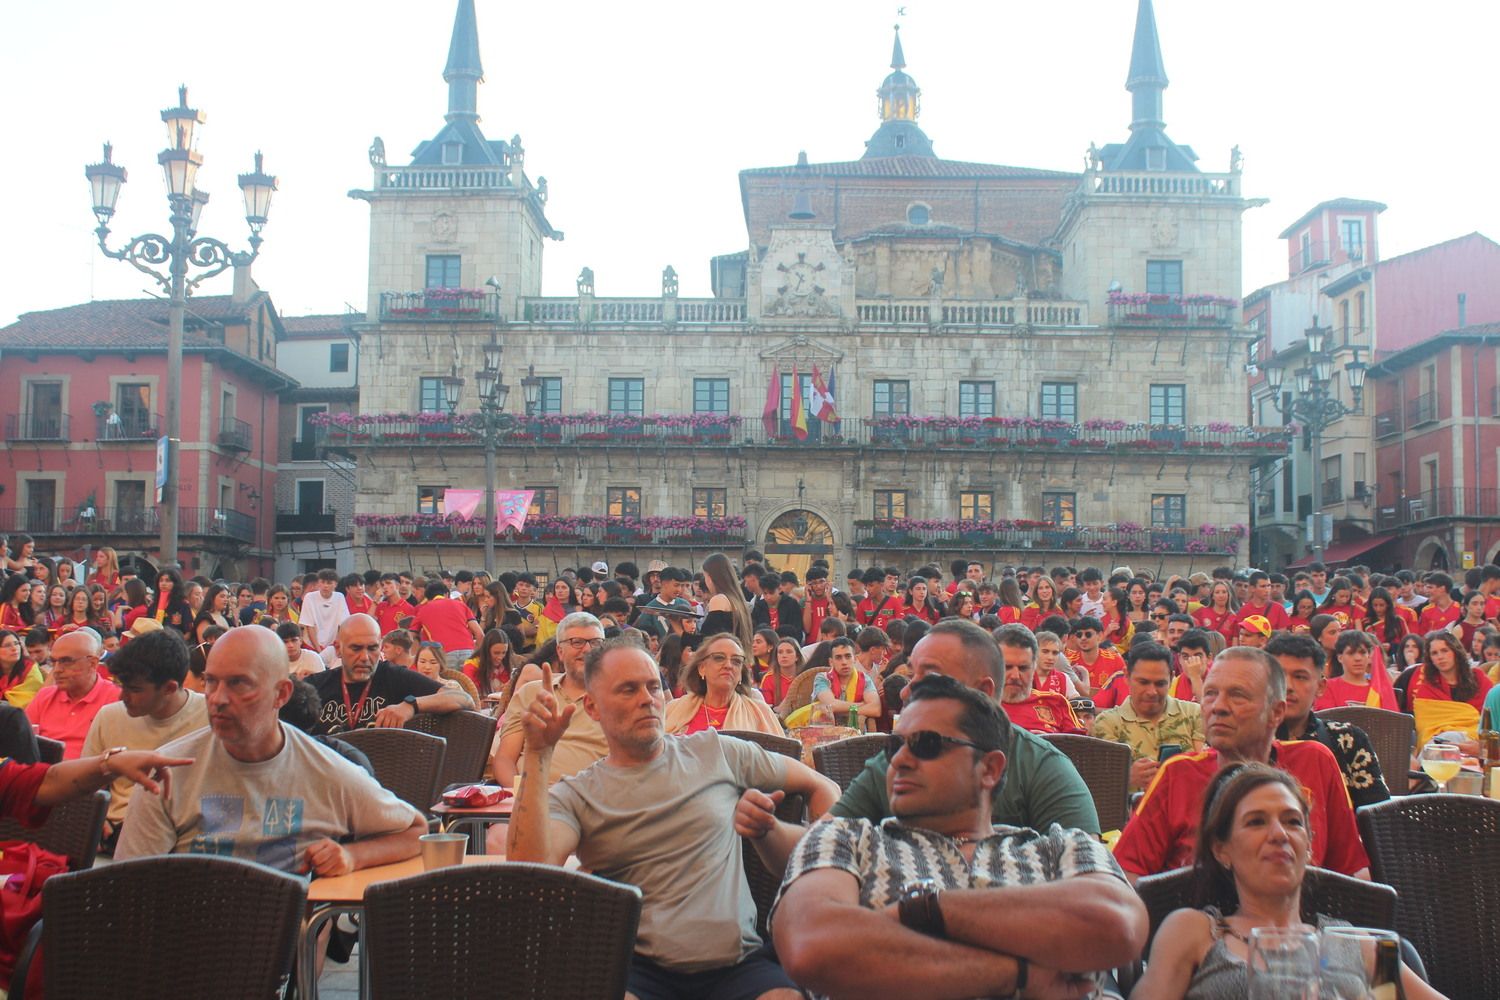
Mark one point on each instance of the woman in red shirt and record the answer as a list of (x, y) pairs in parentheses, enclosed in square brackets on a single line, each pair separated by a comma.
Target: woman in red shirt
[(1043, 603), (1118, 629), (106, 570), (916, 604), (1357, 682), (1219, 613), (15, 604), (1340, 602), (1011, 608), (1304, 607), (786, 665)]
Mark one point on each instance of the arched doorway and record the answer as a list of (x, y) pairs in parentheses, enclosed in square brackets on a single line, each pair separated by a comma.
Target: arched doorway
[(796, 538)]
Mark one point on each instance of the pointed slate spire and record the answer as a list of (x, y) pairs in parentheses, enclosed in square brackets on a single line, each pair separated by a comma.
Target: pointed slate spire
[(1148, 75), (464, 73), (898, 58)]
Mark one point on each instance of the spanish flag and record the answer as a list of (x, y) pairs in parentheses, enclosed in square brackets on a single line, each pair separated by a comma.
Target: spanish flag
[(799, 412)]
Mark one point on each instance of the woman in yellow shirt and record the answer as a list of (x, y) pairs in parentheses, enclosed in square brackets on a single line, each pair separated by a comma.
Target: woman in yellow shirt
[(20, 679)]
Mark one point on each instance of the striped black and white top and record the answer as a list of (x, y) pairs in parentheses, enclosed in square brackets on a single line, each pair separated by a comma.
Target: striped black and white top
[(887, 857)]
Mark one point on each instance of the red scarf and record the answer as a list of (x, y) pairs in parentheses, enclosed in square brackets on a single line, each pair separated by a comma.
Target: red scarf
[(555, 609)]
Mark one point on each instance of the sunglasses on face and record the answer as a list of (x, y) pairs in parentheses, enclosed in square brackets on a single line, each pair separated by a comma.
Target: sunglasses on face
[(925, 745), (1159, 618)]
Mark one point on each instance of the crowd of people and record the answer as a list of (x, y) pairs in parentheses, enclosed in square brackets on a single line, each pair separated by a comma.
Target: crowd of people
[(610, 688)]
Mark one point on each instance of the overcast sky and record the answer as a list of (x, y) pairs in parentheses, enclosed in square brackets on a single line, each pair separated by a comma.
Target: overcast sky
[(641, 115)]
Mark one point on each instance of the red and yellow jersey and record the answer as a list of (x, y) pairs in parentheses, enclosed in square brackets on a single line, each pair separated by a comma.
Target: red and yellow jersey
[(1044, 712), (1100, 670), (1159, 837), (1434, 618)]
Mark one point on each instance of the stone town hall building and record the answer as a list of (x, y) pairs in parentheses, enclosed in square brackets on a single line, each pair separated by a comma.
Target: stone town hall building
[(1035, 365)]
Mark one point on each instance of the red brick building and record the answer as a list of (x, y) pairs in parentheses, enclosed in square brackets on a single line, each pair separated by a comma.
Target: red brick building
[(81, 409), (1438, 450)]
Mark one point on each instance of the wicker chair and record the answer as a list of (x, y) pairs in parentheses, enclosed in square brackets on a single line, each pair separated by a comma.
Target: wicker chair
[(799, 693), (784, 745), (844, 759), (180, 904), (72, 829), (764, 883), (1105, 768), (406, 762), (50, 751), (548, 933), (1391, 734), (1438, 852), (469, 735)]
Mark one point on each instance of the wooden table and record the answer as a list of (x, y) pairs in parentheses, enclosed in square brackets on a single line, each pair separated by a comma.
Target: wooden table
[(475, 822), (329, 898)]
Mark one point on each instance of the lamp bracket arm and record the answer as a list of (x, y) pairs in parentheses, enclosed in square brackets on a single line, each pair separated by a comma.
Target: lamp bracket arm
[(140, 253)]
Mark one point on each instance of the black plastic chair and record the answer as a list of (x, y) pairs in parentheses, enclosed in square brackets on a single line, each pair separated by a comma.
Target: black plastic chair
[(50, 751), (406, 762), (1438, 852), (469, 736), (72, 829), (514, 930), (764, 883), (237, 920)]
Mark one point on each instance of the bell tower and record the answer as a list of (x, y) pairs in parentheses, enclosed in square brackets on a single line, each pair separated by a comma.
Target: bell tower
[(462, 216)]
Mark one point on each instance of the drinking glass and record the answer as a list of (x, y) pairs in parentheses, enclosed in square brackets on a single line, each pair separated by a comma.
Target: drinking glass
[(1351, 967), (1283, 964), (1441, 761)]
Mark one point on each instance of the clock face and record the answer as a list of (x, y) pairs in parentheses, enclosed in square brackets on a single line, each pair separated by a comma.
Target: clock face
[(799, 279)]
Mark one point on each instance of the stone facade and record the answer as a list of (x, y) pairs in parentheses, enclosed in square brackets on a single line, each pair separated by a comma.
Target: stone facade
[(941, 297)]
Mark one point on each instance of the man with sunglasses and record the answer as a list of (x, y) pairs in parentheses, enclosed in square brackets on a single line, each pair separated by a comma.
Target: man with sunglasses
[(1087, 633), (583, 743), (980, 910), (1042, 786)]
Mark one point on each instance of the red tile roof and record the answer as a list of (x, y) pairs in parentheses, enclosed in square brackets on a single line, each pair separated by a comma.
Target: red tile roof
[(319, 325), (120, 323)]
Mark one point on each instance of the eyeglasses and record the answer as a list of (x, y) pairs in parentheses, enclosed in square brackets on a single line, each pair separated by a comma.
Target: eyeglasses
[(925, 745), (69, 662), (1084, 635), (1159, 617), (581, 644), (723, 658)]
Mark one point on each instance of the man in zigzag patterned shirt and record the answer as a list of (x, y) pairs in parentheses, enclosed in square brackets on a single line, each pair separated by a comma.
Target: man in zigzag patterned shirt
[(937, 901)]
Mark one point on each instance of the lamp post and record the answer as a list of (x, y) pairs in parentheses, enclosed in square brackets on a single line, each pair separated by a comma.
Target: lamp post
[(1315, 406), (177, 253)]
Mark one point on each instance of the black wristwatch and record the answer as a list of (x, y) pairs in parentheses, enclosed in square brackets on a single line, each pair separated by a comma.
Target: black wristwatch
[(411, 700), (919, 910)]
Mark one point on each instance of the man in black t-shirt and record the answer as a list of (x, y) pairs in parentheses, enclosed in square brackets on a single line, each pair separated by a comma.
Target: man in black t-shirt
[(373, 693)]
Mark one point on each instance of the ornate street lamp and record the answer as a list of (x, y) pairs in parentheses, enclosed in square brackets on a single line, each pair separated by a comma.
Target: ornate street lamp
[(1315, 406), (176, 254), (493, 393)]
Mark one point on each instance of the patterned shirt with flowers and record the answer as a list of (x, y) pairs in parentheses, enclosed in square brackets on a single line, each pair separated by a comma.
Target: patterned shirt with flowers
[(1355, 754), (1181, 722)]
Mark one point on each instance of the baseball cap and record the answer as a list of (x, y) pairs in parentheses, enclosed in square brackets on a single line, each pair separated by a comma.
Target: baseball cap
[(656, 566), (601, 567), (1255, 623)]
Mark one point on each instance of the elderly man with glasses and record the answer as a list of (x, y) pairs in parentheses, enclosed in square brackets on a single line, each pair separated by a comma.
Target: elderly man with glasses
[(578, 634), (937, 901), (65, 709)]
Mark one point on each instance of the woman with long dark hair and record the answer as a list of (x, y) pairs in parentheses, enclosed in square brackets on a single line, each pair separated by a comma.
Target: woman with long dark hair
[(561, 602), (20, 679), (1446, 692), (15, 604), (55, 611), (1253, 848), (916, 605), (727, 610), (171, 606), (215, 611), (1304, 610), (493, 663)]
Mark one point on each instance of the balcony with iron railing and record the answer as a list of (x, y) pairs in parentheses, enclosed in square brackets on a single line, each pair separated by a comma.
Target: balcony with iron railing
[(37, 427), (1422, 410), (557, 530), (136, 522), (1043, 536), (1447, 503), (234, 435), (1158, 309), (465, 305), (127, 428), (703, 430), (1388, 422)]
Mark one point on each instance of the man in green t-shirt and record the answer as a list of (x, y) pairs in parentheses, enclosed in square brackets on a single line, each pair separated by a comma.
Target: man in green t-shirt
[(1042, 787)]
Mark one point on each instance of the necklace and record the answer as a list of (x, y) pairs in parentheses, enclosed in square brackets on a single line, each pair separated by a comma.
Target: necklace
[(714, 718)]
